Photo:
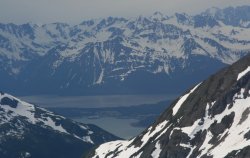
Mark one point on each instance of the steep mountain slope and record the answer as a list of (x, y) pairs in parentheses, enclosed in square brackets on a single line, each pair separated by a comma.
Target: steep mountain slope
[(119, 55), (210, 120), (238, 16), (29, 131)]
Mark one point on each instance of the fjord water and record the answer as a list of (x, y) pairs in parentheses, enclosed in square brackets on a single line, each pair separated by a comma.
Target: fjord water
[(121, 127), (96, 101)]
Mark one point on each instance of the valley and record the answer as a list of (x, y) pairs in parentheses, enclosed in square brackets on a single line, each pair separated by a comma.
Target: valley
[(210, 119), (121, 115), (147, 86)]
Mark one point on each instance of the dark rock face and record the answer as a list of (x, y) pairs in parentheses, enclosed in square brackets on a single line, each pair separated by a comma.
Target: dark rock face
[(210, 120), (219, 128), (233, 16), (245, 152), (28, 131), (9, 102)]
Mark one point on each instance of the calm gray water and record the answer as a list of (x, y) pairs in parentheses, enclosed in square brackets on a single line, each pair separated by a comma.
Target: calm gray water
[(96, 101), (119, 127)]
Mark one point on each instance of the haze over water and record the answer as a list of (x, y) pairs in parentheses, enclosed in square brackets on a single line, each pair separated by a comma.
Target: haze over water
[(96, 101)]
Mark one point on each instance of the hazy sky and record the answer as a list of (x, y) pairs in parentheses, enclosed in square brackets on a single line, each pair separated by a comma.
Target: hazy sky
[(75, 11)]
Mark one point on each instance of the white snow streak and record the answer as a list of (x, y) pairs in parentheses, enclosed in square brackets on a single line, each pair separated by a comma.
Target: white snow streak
[(156, 153), (124, 146), (182, 100), (243, 73), (28, 111), (235, 134)]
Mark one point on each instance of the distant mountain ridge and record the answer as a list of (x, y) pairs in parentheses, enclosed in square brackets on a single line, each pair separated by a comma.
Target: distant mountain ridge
[(209, 120), (119, 55), (28, 131)]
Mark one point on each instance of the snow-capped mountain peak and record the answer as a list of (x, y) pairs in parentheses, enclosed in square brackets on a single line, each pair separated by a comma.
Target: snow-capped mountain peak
[(115, 51), (13, 107), (210, 120), (158, 16), (41, 133)]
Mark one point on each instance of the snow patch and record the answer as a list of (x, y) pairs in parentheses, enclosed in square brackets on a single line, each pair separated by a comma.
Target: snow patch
[(47, 118), (151, 133), (156, 153), (235, 134), (182, 100), (243, 73), (100, 79), (123, 149)]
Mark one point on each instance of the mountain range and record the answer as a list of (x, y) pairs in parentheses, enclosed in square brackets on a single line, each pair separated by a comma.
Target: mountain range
[(209, 120), (28, 131), (115, 55)]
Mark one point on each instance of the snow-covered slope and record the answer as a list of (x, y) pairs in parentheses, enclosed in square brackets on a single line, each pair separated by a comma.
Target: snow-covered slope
[(210, 120), (31, 131), (112, 54)]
